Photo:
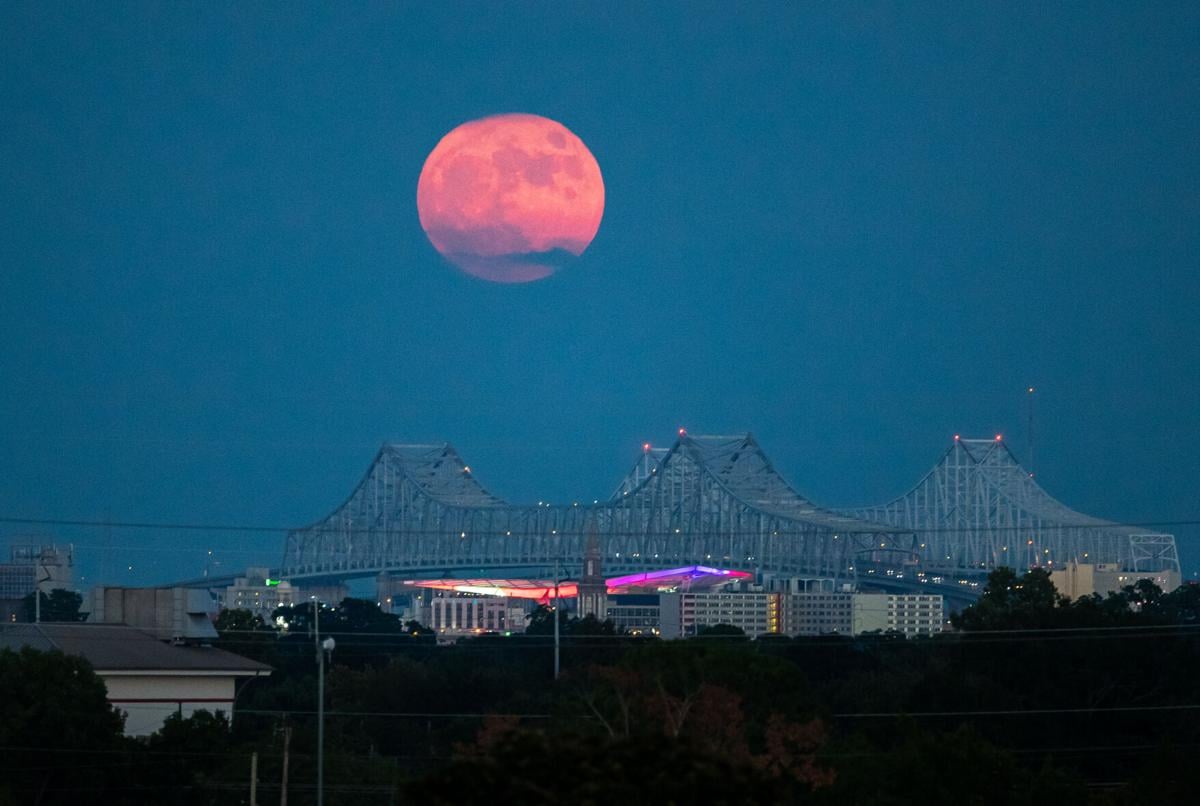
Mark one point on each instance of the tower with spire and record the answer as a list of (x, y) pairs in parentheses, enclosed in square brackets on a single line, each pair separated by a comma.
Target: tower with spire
[(593, 588)]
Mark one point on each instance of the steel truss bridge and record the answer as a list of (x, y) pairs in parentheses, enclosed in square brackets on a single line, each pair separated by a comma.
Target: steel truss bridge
[(978, 508), (714, 500)]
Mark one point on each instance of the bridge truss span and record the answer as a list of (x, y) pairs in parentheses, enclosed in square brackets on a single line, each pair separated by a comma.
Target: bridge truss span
[(978, 508), (707, 500)]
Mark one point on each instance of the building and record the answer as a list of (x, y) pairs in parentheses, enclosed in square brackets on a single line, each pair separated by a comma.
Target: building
[(593, 587), (259, 594), (684, 614), (801, 606), (678, 602), (16, 582), (169, 614), (46, 567), (147, 678), (635, 613), (818, 606), (911, 614), (332, 593), (391, 594), (819, 612), (1076, 580), (466, 615)]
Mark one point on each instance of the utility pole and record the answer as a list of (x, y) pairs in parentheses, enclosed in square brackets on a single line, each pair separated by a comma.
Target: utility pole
[(320, 704), (322, 647), (287, 743), (254, 778), (556, 615)]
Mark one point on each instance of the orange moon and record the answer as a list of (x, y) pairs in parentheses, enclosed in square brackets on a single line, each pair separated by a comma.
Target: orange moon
[(510, 198)]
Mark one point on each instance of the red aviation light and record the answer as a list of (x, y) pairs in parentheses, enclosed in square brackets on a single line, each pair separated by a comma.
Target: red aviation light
[(645, 447), (956, 437), (997, 437), (683, 432)]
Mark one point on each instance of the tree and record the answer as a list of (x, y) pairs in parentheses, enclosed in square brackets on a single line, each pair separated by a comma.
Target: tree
[(1008, 602), (541, 621), (722, 631), (531, 768), (365, 635), (418, 630), (60, 605), (186, 754), (920, 766), (1180, 606), (55, 719), (239, 620)]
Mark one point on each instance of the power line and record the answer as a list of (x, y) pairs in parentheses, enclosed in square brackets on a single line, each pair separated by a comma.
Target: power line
[(264, 529), (1021, 711)]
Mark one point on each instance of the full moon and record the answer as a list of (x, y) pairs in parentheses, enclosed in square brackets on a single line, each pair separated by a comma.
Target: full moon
[(510, 198)]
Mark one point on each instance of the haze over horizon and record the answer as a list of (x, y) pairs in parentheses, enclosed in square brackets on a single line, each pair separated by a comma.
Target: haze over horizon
[(854, 232)]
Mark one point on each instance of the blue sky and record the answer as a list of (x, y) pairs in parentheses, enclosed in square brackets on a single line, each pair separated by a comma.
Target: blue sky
[(854, 230)]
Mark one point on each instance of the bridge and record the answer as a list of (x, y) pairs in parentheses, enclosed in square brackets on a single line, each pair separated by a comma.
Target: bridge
[(709, 500), (714, 500), (978, 508)]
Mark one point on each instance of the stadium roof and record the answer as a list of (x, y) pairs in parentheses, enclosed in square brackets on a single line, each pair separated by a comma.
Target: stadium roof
[(688, 577)]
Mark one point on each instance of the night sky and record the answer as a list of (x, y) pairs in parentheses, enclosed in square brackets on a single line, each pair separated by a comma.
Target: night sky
[(853, 230)]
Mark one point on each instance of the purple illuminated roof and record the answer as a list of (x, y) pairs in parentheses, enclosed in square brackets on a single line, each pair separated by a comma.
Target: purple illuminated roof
[(691, 576)]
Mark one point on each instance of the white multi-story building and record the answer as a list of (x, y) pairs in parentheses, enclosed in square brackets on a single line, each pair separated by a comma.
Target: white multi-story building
[(753, 612), (801, 607), (822, 607), (464, 615), (910, 614), (819, 613), (259, 594)]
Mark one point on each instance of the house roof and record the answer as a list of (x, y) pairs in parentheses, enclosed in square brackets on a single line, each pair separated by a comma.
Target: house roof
[(116, 647)]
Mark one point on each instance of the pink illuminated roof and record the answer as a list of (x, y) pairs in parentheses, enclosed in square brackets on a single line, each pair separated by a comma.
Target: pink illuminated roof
[(510, 588), (690, 577)]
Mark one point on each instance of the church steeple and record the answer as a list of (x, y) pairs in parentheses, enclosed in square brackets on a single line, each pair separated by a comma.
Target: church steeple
[(593, 588)]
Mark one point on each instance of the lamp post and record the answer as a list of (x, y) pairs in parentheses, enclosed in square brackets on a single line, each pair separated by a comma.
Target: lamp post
[(556, 616), (323, 647)]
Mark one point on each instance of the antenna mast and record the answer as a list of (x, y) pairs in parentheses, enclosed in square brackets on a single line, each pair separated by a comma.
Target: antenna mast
[(1029, 430)]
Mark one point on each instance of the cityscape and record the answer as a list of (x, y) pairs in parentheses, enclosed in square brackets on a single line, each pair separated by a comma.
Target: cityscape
[(820, 382)]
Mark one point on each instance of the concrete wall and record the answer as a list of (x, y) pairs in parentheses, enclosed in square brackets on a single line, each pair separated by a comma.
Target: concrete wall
[(166, 612)]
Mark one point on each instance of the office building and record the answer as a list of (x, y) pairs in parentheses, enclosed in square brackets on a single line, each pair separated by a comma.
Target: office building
[(259, 594)]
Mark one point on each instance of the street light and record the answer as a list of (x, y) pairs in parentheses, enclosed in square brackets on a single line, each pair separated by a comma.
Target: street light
[(555, 614), (323, 648)]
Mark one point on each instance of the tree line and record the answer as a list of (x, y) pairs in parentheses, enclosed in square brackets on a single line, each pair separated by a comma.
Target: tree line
[(1032, 698)]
